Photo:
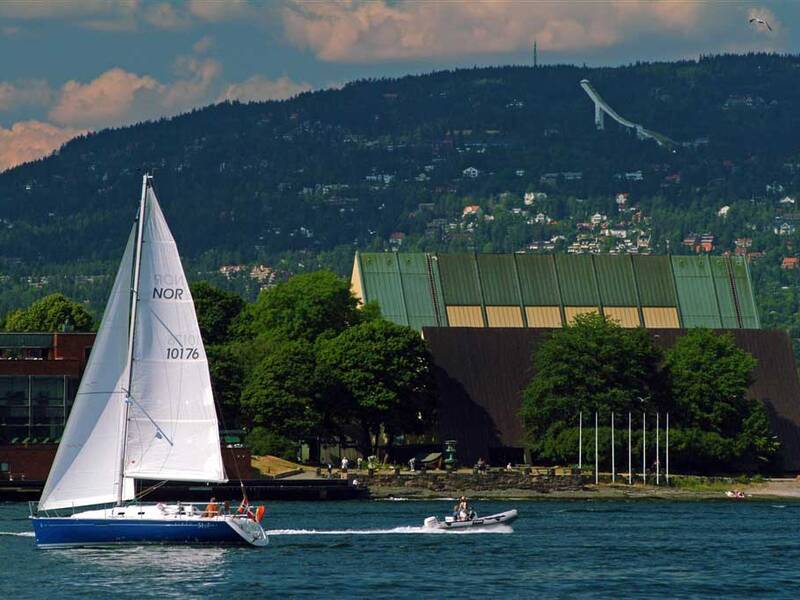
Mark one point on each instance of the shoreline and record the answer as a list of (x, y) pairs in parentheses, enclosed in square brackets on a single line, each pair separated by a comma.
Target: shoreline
[(774, 490)]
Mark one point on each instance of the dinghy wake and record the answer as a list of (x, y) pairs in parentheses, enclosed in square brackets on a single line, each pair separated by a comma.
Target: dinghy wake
[(503, 529)]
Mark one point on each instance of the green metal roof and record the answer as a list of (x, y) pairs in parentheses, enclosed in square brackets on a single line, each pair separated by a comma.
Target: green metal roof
[(415, 289)]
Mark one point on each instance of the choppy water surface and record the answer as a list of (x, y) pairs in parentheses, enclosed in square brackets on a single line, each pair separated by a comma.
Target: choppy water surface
[(377, 549)]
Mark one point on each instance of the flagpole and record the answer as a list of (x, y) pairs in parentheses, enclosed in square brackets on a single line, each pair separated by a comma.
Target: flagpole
[(613, 454), (658, 464), (580, 440), (630, 463), (644, 447), (596, 474), (667, 448)]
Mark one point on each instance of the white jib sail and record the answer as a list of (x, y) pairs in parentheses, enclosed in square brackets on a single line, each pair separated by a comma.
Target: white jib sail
[(172, 422), (86, 468)]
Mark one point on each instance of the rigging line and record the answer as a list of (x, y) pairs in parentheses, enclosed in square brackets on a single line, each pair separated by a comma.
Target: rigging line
[(164, 325), (149, 490), (147, 414)]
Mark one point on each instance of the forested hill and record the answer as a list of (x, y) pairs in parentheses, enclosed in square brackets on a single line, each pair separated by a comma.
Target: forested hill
[(335, 169)]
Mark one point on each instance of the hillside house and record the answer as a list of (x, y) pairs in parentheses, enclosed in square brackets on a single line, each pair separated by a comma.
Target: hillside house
[(790, 263), (263, 274), (230, 270), (471, 210), (700, 243), (470, 172), (396, 239)]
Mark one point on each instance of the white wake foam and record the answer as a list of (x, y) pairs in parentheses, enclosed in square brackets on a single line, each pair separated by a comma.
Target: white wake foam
[(18, 533), (393, 531)]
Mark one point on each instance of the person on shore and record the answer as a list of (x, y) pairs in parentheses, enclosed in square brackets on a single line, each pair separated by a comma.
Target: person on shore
[(359, 460), (212, 509), (330, 471), (345, 464)]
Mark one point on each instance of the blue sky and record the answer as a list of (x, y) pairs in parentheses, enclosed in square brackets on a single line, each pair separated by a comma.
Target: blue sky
[(70, 66)]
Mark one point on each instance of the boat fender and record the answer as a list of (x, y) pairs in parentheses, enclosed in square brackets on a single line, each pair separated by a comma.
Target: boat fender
[(259, 514)]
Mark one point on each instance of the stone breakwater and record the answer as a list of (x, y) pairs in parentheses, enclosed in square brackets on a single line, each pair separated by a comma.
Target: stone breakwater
[(441, 483)]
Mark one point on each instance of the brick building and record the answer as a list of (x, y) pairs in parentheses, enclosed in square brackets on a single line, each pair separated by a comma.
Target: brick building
[(39, 376)]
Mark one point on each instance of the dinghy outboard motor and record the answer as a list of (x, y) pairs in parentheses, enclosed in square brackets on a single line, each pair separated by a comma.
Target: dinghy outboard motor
[(430, 522)]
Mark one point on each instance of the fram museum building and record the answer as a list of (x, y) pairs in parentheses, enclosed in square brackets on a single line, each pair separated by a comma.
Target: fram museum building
[(483, 315)]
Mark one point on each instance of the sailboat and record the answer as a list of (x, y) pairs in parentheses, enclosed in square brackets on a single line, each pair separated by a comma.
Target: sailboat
[(144, 410)]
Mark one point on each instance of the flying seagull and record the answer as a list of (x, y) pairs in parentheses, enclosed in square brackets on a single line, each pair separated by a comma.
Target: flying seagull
[(760, 21)]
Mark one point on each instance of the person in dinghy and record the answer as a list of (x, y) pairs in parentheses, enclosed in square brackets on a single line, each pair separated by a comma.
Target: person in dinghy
[(464, 516)]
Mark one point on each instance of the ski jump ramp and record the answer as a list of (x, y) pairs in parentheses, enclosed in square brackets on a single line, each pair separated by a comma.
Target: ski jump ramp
[(602, 108)]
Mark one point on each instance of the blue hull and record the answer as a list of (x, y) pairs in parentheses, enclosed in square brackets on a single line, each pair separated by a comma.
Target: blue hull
[(59, 532)]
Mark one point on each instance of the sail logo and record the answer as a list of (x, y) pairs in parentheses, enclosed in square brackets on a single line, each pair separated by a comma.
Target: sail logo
[(168, 287)]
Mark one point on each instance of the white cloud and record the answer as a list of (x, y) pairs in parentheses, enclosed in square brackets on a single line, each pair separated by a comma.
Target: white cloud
[(119, 97), (258, 88), (164, 16), (106, 15), (195, 86), (108, 99), (216, 11), (29, 140), (31, 92), (360, 31)]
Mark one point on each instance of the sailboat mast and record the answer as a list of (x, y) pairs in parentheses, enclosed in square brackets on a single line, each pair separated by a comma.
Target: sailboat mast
[(131, 332)]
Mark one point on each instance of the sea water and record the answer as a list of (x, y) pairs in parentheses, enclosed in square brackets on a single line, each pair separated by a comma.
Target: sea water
[(363, 549)]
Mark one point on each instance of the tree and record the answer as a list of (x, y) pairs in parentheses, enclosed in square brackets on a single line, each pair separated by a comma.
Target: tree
[(52, 313), (216, 309), (710, 376), (282, 392), (719, 426), (591, 365), (304, 307), (228, 370), (380, 379)]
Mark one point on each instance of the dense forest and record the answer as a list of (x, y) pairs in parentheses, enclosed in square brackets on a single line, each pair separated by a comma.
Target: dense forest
[(380, 164)]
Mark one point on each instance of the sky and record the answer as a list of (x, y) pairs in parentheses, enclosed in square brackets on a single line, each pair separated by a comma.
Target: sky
[(71, 66)]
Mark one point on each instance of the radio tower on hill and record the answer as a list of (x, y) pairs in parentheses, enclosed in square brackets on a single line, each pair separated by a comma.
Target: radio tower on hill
[(535, 57)]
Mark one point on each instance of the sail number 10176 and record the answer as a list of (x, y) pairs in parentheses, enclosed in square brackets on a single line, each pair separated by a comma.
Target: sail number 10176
[(183, 353)]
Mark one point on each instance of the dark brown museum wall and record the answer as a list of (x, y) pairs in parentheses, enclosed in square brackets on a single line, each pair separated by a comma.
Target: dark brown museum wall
[(481, 374)]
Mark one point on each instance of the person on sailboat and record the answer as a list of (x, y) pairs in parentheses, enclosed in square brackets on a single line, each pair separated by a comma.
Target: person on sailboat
[(212, 509)]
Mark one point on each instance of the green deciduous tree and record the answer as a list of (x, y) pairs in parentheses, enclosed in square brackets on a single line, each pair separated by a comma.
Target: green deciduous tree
[(723, 428), (52, 313), (710, 376), (283, 392), (216, 309), (591, 365), (304, 307), (228, 369), (380, 379)]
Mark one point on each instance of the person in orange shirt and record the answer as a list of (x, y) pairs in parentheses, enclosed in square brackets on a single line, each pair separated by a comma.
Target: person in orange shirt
[(212, 509)]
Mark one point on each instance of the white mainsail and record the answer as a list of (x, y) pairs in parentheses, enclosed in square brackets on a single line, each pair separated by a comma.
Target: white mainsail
[(86, 469), (172, 430)]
